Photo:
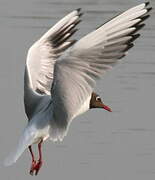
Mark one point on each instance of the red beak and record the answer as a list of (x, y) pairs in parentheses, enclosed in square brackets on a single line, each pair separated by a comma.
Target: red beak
[(106, 108)]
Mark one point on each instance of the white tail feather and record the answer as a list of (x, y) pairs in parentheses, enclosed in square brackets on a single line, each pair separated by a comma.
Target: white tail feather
[(26, 139)]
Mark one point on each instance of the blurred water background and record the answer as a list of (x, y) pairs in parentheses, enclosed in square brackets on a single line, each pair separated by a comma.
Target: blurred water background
[(99, 145)]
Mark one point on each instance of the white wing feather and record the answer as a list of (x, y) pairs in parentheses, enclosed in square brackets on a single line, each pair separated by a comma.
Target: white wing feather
[(41, 59), (77, 71), (44, 53)]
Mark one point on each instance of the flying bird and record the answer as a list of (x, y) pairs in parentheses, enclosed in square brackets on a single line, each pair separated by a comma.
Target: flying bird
[(61, 73)]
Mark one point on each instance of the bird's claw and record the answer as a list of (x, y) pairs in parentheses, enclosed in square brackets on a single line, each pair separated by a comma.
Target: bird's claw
[(35, 167), (32, 167)]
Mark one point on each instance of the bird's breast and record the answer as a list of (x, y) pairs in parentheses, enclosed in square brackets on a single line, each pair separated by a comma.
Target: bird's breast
[(84, 107)]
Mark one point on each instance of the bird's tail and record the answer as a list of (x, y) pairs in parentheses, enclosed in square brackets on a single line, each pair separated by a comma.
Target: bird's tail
[(26, 140)]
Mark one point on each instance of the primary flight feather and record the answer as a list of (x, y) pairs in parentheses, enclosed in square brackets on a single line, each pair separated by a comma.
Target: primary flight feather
[(60, 75)]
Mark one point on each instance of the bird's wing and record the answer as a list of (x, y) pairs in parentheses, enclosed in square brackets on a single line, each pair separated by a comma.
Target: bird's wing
[(44, 53), (76, 72)]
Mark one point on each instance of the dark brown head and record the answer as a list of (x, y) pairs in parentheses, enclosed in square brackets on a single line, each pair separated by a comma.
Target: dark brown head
[(96, 102)]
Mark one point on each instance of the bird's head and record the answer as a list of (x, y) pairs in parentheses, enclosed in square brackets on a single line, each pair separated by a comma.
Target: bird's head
[(96, 102)]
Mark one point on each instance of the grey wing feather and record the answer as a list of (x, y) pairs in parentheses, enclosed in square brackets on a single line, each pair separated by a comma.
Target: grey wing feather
[(76, 72)]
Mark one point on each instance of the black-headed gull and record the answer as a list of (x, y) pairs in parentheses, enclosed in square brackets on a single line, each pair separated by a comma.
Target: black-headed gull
[(60, 75)]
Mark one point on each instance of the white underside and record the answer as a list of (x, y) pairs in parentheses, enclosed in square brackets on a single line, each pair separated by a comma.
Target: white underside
[(59, 134), (83, 108)]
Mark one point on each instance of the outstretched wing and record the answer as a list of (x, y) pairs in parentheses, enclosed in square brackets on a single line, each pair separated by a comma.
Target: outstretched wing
[(76, 72), (44, 53), (41, 60)]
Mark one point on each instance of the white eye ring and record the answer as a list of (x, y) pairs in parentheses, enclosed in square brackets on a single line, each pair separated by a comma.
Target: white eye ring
[(98, 98)]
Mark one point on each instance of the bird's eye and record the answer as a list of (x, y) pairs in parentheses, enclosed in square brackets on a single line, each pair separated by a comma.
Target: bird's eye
[(98, 98)]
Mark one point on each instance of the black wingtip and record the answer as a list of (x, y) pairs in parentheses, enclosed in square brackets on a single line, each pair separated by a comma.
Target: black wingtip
[(78, 9), (144, 18), (149, 9), (134, 37), (147, 3), (80, 14), (138, 27), (78, 22), (73, 41), (129, 46), (122, 56), (73, 31)]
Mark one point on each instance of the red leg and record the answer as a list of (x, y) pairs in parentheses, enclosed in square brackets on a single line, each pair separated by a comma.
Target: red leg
[(36, 165), (33, 161), (39, 164)]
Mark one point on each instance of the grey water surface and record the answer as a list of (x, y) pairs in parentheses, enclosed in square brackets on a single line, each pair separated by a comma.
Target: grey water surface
[(99, 145)]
